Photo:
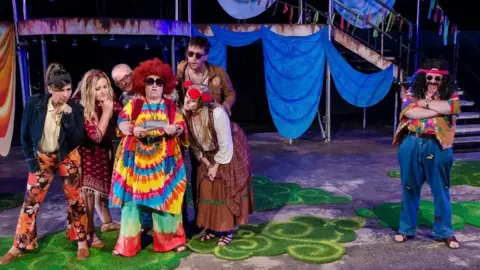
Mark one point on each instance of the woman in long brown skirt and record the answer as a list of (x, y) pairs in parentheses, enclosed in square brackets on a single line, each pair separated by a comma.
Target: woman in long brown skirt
[(224, 175)]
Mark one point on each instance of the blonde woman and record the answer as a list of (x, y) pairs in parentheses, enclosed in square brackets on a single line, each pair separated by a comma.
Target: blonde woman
[(96, 95)]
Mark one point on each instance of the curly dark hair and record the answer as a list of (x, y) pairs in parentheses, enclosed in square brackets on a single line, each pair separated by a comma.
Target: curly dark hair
[(154, 67), (447, 88)]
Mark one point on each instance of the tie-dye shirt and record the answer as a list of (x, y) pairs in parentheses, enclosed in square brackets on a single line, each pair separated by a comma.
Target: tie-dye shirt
[(443, 127)]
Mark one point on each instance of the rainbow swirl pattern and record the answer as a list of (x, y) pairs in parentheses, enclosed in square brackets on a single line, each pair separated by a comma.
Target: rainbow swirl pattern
[(7, 86)]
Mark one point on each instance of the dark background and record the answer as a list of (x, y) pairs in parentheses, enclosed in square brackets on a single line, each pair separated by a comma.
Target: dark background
[(245, 64)]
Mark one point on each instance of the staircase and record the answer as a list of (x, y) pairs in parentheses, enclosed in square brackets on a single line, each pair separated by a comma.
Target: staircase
[(468, 123)]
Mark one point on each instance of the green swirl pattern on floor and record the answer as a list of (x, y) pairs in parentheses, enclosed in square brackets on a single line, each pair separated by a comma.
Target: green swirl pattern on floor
[(56, 252), (269, 195), (10, 200), (305, 238), (389, 214), (463, 173)]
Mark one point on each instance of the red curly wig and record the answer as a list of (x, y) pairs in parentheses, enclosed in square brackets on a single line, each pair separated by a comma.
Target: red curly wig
[(151, 67)]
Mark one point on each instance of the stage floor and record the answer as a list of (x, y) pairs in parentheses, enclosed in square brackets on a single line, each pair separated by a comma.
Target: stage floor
[(354, 164)]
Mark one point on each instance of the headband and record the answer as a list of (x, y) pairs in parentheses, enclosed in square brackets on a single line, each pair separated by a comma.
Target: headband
[(194, 94), (433, 71), (57, 79), (93, 74)]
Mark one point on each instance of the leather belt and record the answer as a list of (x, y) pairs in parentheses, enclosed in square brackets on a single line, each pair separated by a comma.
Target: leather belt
[(421, 135)]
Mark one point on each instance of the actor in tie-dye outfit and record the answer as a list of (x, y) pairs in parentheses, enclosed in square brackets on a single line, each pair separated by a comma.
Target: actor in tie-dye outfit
[(149, 173)]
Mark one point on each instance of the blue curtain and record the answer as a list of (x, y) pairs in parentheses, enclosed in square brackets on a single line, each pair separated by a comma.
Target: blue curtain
[(223, 37), (294, 68), (294, 73), (358, 89)]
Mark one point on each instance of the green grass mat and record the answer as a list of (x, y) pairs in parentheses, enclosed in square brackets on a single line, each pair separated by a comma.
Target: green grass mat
[(305, 238), (56, 252), (269, 195), (10, 200), (463, 173), (389, 214)]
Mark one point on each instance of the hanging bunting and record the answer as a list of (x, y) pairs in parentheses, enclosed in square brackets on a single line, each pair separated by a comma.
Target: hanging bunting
[(341, 23), (432, 6), (290, 16), (389, 23), (375, 31), (437, 13), (285, 8), (452, 29), (315, 18), (445, 33), (275, 9), (356, 23), (455, 35)]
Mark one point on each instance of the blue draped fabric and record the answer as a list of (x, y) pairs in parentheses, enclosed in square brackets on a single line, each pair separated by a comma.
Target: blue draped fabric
[(294, 68), (294, 73), (358, 89), (223, 37)]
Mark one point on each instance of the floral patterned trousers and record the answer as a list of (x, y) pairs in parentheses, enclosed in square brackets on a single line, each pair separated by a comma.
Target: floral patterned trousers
[(38, 183)]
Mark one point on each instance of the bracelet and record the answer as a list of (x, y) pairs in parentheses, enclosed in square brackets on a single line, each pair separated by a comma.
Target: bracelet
[(427, 104)]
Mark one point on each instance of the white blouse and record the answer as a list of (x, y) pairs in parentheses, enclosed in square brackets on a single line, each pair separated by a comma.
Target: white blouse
[(221, 123)]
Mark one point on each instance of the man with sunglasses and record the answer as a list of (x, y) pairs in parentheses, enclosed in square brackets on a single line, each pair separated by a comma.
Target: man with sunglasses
[(426, 133), (204, 75), (122, 76)]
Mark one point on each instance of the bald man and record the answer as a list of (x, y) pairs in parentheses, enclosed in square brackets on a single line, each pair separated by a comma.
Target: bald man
[(122, 76)]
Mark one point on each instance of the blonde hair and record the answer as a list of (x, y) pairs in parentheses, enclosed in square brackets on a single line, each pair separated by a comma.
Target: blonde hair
[(86, 88)]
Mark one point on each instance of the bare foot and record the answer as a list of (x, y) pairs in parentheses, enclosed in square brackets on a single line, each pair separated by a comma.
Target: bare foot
[(11, 255), (82, 252)]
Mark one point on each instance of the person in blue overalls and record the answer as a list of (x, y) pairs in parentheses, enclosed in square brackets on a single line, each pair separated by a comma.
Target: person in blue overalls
[(426, 134)]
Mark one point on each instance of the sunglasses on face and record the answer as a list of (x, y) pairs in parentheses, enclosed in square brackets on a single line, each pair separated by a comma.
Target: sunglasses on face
[(151, 81), (197, 55), (434, 78)]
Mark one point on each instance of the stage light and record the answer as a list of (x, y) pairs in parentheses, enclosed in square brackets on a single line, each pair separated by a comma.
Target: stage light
[(74, 43), (54, 39), (94, 39), (112, 38), (147, 48), (126, 46)]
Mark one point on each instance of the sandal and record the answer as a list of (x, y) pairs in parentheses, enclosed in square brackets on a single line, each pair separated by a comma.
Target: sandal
[(180, 249), (404, 238), (207, 237), (97, 243), (111, 226), (450, 240), (9, 257), (82, 254), (116, 254), (225, 240)]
